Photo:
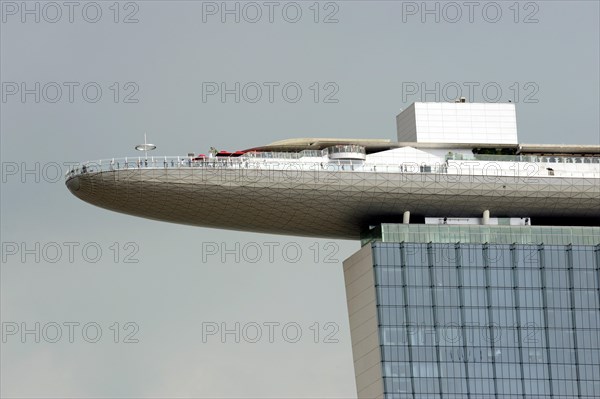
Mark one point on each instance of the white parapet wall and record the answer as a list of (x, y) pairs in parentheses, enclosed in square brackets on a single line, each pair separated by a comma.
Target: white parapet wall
[(484, 123), (522, 221)]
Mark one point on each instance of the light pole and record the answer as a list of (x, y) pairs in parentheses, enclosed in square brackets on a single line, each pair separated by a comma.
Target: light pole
[(145, 147)]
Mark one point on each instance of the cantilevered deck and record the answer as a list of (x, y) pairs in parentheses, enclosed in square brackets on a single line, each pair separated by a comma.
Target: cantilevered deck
[(311, 193)]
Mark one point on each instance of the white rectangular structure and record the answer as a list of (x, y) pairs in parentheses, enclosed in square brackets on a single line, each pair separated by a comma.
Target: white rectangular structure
[(485, 123)]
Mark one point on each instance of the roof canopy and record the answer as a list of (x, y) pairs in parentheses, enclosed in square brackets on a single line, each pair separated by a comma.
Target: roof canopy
[(376, 145)]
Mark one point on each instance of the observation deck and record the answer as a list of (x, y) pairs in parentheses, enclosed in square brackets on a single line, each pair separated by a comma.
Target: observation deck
[(351, 159), (284, 192)]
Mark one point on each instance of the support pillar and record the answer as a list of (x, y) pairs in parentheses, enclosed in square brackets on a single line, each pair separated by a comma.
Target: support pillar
[(486, 217)]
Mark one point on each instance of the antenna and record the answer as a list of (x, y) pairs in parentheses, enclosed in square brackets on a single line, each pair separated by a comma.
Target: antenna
[(145, 147)]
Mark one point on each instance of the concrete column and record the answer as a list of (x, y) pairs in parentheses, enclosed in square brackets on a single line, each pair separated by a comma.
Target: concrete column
[(486, 217), (406, 217)]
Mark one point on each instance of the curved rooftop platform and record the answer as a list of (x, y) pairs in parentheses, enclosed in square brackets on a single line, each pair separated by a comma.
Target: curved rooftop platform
[(331, 200)]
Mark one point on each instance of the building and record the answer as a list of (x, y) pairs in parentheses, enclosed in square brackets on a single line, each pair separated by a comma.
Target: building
[(474, 311), (490, 286), (282, 188)]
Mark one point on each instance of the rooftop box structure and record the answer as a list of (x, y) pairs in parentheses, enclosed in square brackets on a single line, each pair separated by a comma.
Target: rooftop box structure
[(459, 122)]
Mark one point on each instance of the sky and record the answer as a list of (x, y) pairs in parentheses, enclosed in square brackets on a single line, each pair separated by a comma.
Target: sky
[(100, 304)]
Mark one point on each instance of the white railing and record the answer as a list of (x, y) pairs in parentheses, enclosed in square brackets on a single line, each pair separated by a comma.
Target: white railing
[(451, 167)]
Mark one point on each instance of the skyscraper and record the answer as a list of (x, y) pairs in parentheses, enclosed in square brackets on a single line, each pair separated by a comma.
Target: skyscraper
[(472, 311)]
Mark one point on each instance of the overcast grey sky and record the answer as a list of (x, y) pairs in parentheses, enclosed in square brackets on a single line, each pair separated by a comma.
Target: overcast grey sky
[(158, 66)]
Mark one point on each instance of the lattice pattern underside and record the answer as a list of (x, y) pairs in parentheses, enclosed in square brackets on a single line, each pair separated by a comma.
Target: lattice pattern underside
[(327, 204)]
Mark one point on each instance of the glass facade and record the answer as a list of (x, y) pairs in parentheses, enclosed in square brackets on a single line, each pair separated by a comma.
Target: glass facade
[(483, 320)]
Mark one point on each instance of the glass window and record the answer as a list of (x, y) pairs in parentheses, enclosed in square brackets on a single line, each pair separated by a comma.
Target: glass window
[(532, 324)]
